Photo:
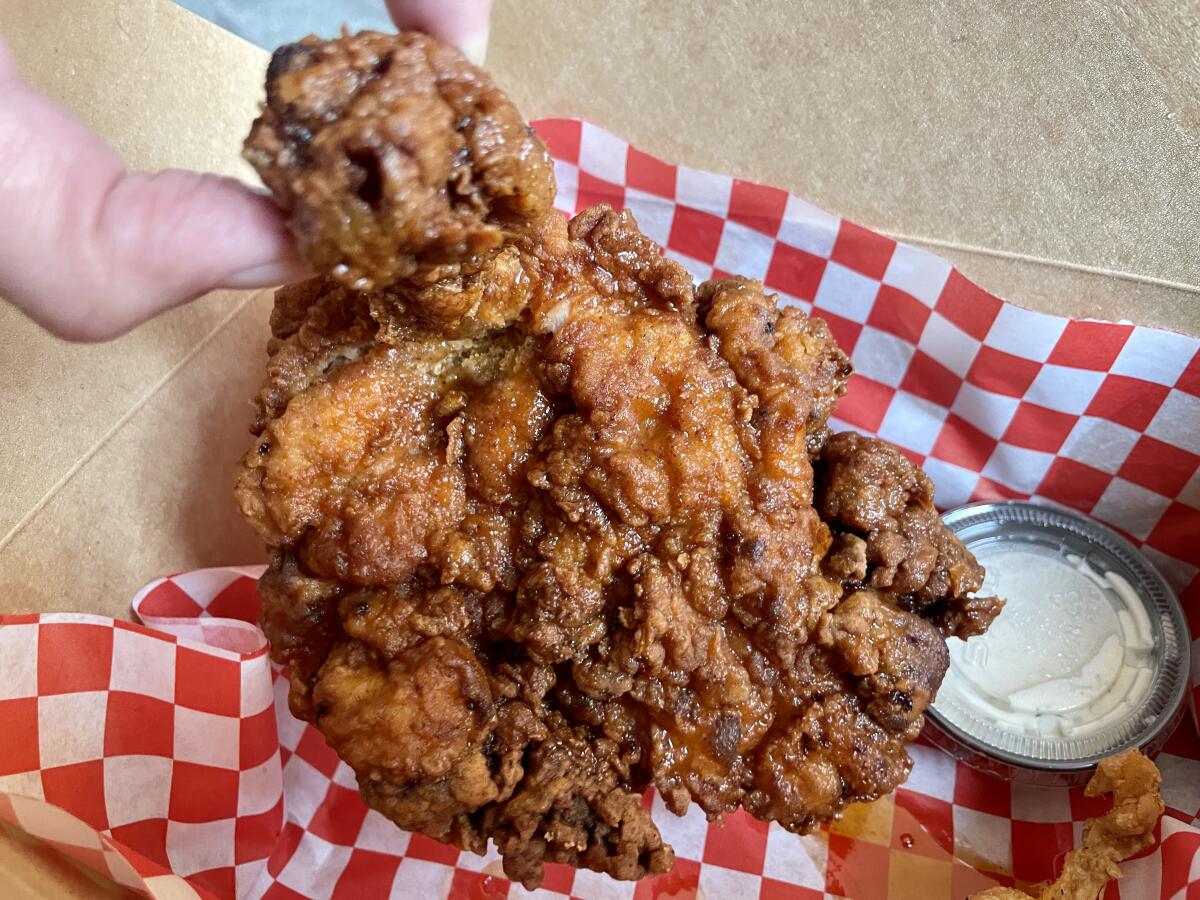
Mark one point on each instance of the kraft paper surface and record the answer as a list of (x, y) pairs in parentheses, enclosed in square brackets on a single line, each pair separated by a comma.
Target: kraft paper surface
[(1066, 132)]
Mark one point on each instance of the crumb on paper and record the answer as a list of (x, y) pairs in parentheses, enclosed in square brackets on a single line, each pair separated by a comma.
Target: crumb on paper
[(1125, 830)]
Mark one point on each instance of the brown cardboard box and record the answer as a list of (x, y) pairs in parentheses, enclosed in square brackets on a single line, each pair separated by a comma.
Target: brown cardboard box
[(1049, 152)]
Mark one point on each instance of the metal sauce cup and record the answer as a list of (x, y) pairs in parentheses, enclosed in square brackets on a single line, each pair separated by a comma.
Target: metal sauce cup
[(1089, 657)]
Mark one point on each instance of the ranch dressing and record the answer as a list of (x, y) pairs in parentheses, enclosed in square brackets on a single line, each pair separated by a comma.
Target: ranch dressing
[(1069, 655), (1088, 656)]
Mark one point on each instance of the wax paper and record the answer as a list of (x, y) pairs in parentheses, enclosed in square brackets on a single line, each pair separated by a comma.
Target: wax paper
[(163, 754)]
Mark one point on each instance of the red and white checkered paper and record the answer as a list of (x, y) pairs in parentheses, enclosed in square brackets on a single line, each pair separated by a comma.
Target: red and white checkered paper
[(164, 756)]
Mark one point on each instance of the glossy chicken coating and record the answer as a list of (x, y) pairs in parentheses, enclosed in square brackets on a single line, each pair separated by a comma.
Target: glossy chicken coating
[(882, 506), (531, 559), (1126, 830), (396, 158)]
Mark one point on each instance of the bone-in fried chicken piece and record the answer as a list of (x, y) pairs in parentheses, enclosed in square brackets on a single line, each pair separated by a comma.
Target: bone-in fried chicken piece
[(395, 157), (546, 531)]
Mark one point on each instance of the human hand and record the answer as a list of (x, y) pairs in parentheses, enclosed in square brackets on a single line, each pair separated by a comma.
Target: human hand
[(464, 23), (90, 250)]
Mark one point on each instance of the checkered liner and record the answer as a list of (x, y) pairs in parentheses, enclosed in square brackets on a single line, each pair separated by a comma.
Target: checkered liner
[(165, 756)]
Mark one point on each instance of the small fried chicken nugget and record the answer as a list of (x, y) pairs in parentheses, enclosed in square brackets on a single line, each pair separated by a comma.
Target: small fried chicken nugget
[(1125, 830)]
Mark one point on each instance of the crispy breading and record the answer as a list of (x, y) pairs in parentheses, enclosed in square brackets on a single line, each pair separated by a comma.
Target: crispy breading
[(869, 489), (395, 157), (1125, 830), (549, 533)]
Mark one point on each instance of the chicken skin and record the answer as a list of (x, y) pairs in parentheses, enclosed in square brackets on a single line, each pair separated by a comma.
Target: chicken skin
[(550, 524)]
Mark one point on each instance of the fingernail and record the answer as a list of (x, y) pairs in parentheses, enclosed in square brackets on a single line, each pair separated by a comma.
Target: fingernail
[(267, 275), (474, 46)]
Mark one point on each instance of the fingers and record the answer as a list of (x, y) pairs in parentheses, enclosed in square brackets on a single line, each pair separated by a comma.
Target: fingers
[(175, 235), (90, 250), (465, 23)]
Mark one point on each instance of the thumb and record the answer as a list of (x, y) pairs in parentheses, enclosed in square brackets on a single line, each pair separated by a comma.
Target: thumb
[(91, 250), (465, 23)]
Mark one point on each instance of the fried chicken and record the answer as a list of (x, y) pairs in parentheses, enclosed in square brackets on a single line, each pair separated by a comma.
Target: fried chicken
[(1124, 831), (565, 527), (883, 506), (397, 159)]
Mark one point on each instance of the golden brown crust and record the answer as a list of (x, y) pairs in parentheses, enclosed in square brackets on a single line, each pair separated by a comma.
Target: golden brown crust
[(1124, 831), (781, 353), (562, 503), (869, 492), (608, 507), (394, 156)]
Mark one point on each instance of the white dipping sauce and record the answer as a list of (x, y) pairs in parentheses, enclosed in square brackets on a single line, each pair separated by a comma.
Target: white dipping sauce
[(1068, 656)]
